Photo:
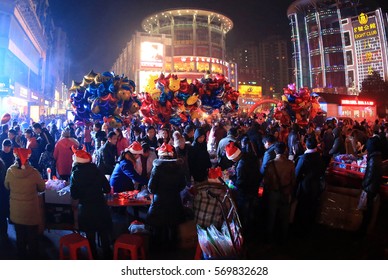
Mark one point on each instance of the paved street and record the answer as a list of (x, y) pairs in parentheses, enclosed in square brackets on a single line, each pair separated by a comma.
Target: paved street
[(323, 243)]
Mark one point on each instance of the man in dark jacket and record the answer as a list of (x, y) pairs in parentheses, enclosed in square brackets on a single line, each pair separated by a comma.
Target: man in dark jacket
[(107, 154), (309, 177), (279, 181), (256, 138), (246, 181), (339, 143), (199, 158), (269, 143), (43, 136), (372, 180), (87, 186), (166, 212)]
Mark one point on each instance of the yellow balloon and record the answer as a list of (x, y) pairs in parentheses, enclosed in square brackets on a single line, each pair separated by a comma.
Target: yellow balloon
[(174, 84), (192, 100)]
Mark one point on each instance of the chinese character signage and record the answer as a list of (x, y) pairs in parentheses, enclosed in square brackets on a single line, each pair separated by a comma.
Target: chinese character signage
[(248, 89), (357, 102), (364, 27)]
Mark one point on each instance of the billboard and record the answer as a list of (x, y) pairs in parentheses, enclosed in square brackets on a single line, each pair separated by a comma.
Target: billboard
[(151, 55), (368, 46), (249, 89)]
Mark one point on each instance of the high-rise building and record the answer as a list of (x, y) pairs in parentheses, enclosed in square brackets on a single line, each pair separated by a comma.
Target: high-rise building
[(186, 42), (264, 64), (337, 44), (274, 62), (27, 36)]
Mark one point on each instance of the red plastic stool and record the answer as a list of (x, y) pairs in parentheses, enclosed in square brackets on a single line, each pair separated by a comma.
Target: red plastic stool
[(73, 241), (133, 243)]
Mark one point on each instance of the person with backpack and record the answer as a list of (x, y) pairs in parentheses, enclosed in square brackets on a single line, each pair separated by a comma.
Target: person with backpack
[(279, 184)]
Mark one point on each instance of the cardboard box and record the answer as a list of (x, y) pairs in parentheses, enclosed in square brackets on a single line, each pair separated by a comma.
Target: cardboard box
[(52, 196)]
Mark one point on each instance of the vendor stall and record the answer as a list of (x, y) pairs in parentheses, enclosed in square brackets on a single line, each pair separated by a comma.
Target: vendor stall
[(339, 202)]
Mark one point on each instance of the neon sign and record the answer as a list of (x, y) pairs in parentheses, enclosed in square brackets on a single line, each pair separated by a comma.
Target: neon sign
[(365, 27), (357, 102)]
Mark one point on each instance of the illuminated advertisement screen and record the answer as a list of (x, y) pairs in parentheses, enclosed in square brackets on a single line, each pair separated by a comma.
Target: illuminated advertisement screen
[(248, 89), (367, 45), (146, 79), (151, 55)]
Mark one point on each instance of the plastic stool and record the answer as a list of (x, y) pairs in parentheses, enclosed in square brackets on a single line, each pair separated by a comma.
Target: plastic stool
[(73, 241), (133, 243)]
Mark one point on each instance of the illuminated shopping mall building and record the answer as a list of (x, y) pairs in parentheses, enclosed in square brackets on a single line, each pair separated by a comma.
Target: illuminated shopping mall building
[(337, 44), (186, 42)]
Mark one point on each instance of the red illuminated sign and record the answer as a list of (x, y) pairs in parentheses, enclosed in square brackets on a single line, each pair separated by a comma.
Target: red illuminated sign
[(357, 102)]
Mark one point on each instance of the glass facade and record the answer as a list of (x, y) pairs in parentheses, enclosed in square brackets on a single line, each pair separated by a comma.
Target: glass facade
[(332, 50)]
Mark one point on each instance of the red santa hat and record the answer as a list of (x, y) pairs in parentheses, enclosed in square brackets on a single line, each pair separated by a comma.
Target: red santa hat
[(135, 148), (81, 156), (214, 174), (165, 150), (22, 154), (232, 152)]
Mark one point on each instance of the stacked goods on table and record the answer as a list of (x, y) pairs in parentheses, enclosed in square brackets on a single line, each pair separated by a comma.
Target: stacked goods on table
[(57, 192), (350, 164)]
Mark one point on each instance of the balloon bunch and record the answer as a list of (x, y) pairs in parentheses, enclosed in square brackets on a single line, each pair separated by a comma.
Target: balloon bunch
[(104, 96), (168, 99), (300, 106)]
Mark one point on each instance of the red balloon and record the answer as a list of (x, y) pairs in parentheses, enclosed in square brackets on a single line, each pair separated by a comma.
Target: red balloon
[(5, 118)]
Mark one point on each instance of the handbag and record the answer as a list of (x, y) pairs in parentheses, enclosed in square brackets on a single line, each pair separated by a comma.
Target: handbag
[(362, 202)]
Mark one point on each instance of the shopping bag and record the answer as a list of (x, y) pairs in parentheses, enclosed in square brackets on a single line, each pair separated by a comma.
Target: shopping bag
[(362, 201)]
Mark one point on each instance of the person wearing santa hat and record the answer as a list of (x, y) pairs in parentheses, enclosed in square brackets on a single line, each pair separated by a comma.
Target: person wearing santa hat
[(207, 210), (246, 180), (24, 182), (166, 211), (124, 174), (87, 187)]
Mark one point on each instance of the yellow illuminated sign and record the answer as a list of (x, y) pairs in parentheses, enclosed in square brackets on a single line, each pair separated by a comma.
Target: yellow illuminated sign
[(365, 27), (363, 19), (248, 89)]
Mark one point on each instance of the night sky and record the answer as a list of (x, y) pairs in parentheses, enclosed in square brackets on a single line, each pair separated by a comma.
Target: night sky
[(98, 29)]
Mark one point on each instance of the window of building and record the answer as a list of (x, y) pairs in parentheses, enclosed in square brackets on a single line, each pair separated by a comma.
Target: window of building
[(181, 35), (347, 38), (202, 51), (349, 58), (202, 35), (187, 50), (350, 78)]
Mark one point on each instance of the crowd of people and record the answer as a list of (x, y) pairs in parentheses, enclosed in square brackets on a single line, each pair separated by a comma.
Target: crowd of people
[(174, 163)]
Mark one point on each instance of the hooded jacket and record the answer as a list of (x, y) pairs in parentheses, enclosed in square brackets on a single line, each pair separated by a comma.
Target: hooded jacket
[(24, 185), (166, 182), (199, 159)]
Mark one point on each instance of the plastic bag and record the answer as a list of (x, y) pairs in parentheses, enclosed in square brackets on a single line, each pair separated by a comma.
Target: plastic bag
[(64, 191), (206, 243)]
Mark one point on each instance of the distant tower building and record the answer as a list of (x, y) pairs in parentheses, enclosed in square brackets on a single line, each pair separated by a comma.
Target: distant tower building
[(186, 42), (337, 44), (265, 64), (274, 62), (246, 55)]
